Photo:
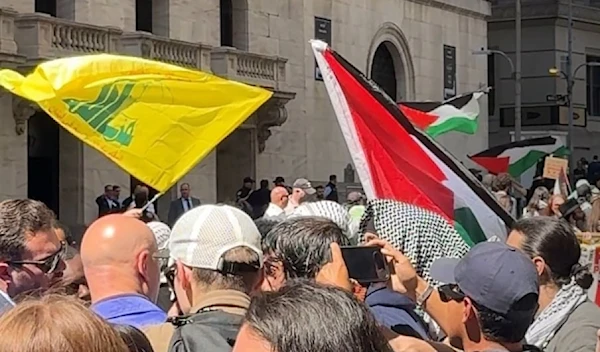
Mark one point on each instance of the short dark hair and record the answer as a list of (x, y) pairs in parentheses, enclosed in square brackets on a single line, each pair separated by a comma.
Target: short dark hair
[(302, 244), (332, 177), (116, 187), (108, 188), (349, 324), (554, 240), (243, 282), (511, 327), (18, 219), (265, 225), (264, 183), (319, 187)]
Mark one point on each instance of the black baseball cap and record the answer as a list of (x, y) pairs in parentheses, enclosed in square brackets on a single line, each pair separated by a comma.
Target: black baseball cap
[(493, 275), (279, 179)]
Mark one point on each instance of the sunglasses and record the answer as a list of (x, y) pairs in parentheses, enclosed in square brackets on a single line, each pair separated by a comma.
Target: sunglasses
[(451, 292), (48, 265), (170, 276)]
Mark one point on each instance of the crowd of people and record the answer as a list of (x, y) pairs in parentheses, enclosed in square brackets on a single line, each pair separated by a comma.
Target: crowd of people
[(229, 277)]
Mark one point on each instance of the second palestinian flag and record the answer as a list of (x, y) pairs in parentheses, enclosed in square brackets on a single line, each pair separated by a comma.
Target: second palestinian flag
[(458, 114), (394, 160), (517, 157)]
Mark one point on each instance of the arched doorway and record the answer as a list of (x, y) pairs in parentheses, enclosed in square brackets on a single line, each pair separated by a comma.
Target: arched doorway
[(389, 63), (383, 71)]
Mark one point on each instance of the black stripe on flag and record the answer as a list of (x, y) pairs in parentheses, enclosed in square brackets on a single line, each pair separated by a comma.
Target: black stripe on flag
[(495, 151), (428, 106), (430, 144)]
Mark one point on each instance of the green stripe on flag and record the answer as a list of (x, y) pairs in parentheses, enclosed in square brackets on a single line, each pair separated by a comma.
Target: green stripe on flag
[(468, 227), (531, 159), (458, 124)]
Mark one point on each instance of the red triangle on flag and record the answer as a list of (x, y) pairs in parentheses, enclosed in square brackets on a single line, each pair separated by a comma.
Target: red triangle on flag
[(495, 165), (419, 118), (400, 168)]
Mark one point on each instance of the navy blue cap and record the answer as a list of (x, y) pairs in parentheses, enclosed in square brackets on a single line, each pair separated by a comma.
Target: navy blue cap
[(492, 274)]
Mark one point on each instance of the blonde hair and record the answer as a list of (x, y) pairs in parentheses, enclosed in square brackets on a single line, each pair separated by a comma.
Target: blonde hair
[(57, 323)]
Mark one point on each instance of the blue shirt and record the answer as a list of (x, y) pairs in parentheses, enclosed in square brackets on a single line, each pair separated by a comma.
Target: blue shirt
[(5, 302), (130, 309)]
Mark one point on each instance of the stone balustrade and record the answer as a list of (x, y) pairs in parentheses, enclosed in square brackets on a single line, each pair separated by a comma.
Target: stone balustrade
[(261, 70), (149, 46), (40, 36)]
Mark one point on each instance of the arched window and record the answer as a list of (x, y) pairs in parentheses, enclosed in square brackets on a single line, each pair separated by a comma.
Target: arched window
[(226, 11), (383, 71)]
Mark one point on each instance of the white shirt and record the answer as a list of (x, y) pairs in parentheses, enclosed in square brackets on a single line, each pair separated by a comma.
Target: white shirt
[(185, 204), (291, 206), (273, 210)]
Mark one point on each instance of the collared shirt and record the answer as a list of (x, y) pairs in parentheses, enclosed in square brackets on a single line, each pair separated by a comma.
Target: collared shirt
[(187, 204), (273, 210), (129, 309), (5, 302), (230, 301)]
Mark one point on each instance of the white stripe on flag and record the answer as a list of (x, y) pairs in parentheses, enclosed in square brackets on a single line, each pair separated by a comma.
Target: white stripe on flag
[(345, 120)]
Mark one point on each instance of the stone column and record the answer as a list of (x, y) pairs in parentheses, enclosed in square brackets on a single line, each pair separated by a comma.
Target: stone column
[(13, 146), (71, 179)]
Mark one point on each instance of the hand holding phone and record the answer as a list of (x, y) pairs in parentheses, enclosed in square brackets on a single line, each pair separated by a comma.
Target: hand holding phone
[(366, 264)]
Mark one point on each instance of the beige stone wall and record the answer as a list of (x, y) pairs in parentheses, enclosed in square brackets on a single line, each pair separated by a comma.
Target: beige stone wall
[(310, 143), (13, 154)]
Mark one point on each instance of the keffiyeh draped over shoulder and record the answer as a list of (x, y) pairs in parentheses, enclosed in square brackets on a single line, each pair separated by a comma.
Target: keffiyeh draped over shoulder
[(332, 211), (420, 234)]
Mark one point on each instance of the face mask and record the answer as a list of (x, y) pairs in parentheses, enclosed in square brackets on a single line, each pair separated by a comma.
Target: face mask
[(542, 205)]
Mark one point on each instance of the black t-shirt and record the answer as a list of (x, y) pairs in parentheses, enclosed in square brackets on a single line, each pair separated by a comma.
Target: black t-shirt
[(260, 197)]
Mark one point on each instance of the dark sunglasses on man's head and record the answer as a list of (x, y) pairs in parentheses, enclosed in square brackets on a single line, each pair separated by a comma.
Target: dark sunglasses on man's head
[(48, 265)]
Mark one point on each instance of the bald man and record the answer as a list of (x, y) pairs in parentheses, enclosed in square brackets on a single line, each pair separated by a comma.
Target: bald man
[(279, 200), (123, 277)]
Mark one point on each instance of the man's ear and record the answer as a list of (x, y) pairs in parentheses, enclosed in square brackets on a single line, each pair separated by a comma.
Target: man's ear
[(142, 264), (5, 277), (468, 310), (540, 265), (183, 275)]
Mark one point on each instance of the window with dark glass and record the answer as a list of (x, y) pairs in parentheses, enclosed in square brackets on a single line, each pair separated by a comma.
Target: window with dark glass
[(593, 87), (143, 15), (226, 11), (46, 6)]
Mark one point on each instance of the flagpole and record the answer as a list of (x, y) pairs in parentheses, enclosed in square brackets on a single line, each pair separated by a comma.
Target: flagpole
[(485, 90)]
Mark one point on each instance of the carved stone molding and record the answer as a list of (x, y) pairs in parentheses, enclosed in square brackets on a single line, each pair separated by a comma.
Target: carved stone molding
[(22, 111), (271, 114)]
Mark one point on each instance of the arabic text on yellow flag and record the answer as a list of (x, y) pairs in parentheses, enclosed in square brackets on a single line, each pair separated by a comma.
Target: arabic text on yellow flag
[(155, 120)]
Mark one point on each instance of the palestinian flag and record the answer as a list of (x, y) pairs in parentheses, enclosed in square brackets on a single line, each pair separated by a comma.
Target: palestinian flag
[(517, 157), (457, 114), (395, 160)]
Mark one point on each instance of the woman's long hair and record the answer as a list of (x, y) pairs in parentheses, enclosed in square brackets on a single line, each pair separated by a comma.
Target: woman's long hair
[(57, 323)]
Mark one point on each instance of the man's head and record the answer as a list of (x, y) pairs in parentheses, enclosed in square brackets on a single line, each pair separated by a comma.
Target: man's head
[(280, 196), (355, 198), (279, 181), (305, 316), (320, 192), (108, 191), (215, 247), (73, 279), (595, 158), (298, 248), (185, 189), (300, 189), (116, 192), (31, 256), (249, 182), (264, 184), (118, 255), (494, 289), (333, 179)]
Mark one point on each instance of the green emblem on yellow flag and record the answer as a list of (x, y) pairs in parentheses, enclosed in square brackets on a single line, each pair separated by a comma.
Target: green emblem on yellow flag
[(177, 115), (101, 112)]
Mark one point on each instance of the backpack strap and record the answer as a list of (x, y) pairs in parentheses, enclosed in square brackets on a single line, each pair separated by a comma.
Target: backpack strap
[(208, 330)]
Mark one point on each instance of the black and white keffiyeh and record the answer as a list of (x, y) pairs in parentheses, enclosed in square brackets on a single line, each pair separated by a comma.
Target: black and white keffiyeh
[(422, 235), (332, 211)]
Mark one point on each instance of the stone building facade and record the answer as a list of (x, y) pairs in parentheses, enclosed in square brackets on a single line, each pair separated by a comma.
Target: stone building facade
[(264, 42), (544, 46)]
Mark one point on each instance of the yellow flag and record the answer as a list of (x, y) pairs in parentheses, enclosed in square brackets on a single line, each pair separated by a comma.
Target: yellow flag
[(155, 120)]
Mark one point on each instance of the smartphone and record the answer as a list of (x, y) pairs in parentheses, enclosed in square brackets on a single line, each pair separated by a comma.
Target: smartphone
[(365, 264)]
